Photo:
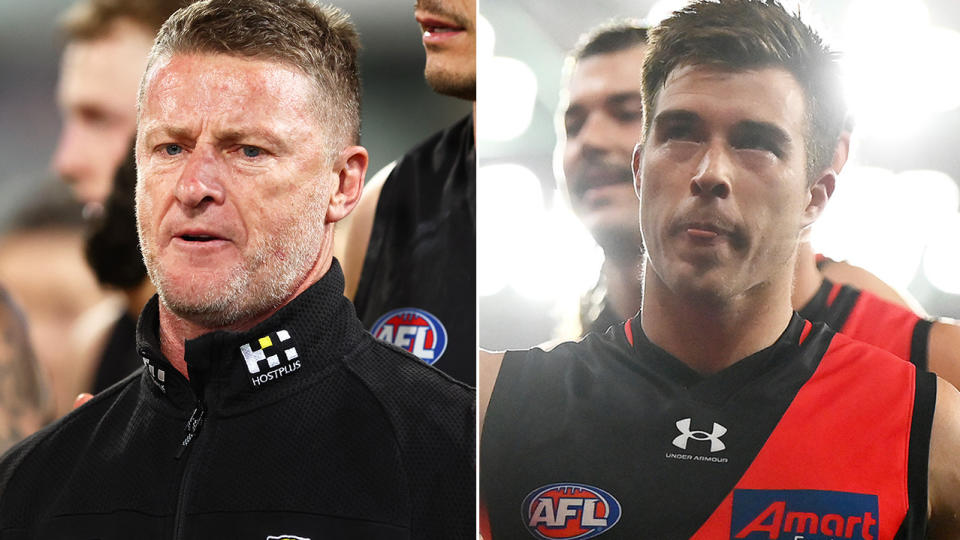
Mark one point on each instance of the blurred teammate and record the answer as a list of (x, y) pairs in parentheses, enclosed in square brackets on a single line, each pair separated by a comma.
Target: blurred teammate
[(600, 118), (106, 53), (112, 250), (107, 46), (24, 398), (410, 251), (720, 385), (42, 268)]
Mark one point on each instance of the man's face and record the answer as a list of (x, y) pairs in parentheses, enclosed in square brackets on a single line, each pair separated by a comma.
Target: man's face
[(601, 124), (722, 180), (450, 40), (97, 95), (233, 182)]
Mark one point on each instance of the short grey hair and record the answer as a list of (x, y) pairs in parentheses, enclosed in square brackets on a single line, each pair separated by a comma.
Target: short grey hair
[(319, 40)]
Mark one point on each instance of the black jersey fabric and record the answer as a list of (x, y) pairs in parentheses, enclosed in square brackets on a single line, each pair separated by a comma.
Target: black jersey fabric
[(596, 314), (868, 318), (119, 357), (303, 427), (615, 420), (422, 251)]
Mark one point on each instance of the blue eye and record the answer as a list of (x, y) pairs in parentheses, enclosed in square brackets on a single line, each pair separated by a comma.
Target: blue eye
[(251, 151), (173, 149)]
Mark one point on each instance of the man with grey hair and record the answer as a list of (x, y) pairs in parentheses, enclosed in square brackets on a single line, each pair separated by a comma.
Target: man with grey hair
[(265, 409)]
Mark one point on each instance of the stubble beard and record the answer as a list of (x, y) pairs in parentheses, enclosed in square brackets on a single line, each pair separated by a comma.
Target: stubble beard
[(247, 293), (449, 83)]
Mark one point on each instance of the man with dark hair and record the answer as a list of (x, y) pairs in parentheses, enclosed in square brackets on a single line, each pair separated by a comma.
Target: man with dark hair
[(265, 409), (599, 119), (112, 251), (410, 255), (599, 116), (720, 385)]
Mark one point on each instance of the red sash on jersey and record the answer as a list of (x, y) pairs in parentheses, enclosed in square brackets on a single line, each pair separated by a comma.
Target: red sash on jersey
[(881, 323), (860, 450)]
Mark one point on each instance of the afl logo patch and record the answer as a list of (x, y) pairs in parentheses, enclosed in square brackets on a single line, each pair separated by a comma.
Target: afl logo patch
[(569, 510), (415, 330)]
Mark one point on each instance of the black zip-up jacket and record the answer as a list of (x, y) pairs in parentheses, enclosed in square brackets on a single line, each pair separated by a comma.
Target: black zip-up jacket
[(304, 427)]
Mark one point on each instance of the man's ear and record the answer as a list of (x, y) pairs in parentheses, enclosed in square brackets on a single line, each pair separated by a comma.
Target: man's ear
[(841, 152), (820, 193), (350, 167), (637, 158)]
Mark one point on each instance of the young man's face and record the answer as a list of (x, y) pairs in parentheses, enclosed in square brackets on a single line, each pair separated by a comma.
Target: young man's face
[(450, 40), (722, 180), (97, 95), (233, 181), (601, 124)]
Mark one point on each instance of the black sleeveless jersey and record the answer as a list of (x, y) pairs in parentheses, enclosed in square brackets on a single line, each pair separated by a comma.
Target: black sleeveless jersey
[(815, 437), (417, 289), (598, 324), (868, 318)]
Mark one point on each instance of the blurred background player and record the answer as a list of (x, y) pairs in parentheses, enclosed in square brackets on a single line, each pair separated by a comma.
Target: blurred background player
[(409, 252), (852, 300), (600, 114), (113, 254), (107, 46), (24, 399), (43, 269), (103, 60)]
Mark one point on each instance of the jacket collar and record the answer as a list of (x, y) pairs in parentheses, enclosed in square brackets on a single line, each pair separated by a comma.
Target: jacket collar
[(232, 372)]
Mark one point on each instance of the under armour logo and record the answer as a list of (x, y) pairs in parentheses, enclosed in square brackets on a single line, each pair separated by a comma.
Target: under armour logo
[(686, 434)]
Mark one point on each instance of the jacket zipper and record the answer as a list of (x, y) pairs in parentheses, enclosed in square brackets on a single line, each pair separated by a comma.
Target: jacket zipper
[(194, 424)]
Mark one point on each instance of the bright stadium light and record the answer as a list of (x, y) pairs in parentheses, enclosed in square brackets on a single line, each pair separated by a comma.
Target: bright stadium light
[(542, 252), (509, 201), (486, 37), (894, 62), (564, 261), (884, 221), (662, 9), (507, 93), (941, 262)]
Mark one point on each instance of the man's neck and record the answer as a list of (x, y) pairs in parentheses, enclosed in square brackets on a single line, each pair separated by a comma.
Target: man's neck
[(622, 276), (807, 277), (175, 330), (710, 335)]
